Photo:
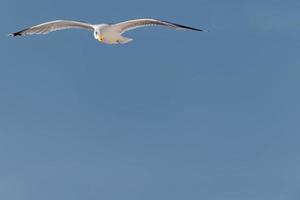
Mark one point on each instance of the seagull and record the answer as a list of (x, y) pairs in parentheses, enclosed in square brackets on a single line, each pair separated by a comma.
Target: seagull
[(104, 33)]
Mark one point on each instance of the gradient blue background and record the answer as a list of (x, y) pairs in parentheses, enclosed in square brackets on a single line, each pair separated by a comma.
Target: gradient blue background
[(172, 115)]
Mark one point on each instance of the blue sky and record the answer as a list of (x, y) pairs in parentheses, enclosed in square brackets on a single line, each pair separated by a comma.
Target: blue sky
[(172, 115)]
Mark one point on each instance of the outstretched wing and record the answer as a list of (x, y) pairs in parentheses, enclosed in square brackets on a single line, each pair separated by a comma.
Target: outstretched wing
[(53, 26), (138, 23)]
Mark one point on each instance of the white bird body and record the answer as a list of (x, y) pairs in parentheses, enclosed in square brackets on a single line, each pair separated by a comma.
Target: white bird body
[(106, 33), (109, 34)]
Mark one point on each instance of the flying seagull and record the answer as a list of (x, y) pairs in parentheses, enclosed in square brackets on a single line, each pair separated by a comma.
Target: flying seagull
[(106, 33)]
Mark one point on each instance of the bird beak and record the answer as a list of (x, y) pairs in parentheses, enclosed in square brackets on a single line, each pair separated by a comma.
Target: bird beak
[(100, 39)]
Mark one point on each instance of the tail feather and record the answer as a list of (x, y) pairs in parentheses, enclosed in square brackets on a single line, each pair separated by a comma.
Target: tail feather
[(125, 40)]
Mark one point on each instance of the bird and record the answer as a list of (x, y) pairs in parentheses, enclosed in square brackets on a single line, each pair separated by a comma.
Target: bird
[(104, 33)]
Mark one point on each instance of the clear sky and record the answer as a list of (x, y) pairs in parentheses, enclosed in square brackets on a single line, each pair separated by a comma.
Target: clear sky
[(172, 115)]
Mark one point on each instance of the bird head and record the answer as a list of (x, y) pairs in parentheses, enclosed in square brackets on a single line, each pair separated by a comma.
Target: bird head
[(98, 36), (98, 30)]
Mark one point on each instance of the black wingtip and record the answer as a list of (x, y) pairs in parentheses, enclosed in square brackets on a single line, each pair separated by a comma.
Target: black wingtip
[(14, 34), (185, 27), (19, 33), (188, 27)]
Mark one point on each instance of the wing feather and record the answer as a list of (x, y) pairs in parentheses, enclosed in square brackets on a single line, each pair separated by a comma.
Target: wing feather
[(138, 23), (53, 26)]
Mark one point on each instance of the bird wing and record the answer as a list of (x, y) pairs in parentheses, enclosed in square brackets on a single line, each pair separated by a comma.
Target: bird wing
[(138, 23), (53, 26)]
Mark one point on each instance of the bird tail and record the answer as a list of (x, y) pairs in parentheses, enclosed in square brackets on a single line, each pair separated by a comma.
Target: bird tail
[(125, 40)]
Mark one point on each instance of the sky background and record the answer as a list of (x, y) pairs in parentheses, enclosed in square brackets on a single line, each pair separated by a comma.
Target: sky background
[(172, 115)]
